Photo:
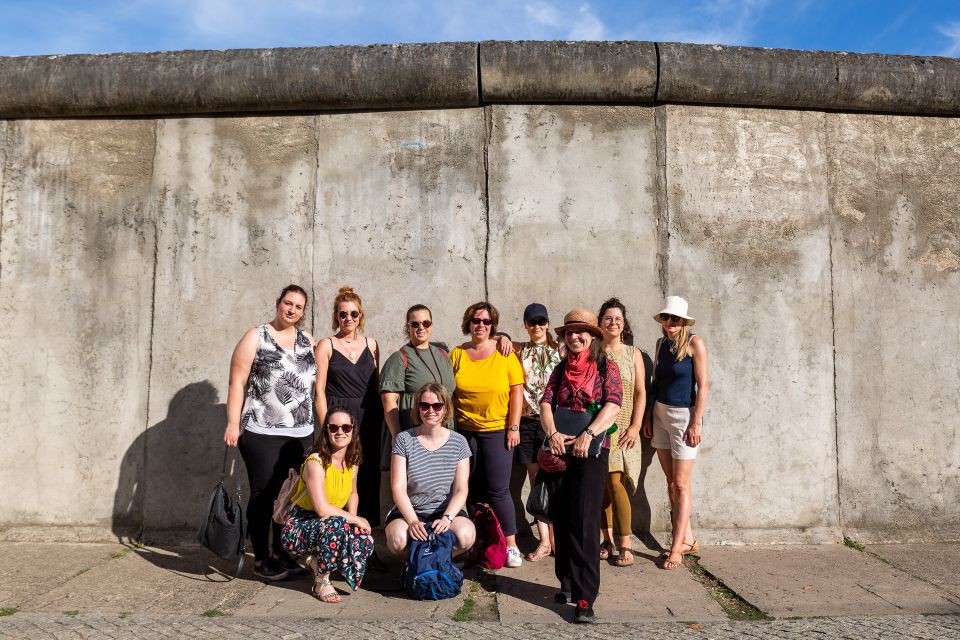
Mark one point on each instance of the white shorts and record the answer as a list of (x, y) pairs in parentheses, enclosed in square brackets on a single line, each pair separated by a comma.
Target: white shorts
[(669, 425)]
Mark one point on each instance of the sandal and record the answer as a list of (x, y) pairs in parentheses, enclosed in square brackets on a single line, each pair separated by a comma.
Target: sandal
[(318, 585), (672, 564), (541, 552), (691, 548), (622, 560), (606, 550)]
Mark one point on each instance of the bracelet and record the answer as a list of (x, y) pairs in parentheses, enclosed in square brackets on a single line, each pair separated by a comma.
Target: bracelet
[(552, 434)]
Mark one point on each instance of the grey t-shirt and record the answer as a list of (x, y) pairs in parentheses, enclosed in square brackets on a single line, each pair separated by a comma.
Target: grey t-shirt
[(430, 474)]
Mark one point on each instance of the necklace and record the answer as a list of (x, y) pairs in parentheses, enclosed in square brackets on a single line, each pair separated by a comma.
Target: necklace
[(352, 355), (439, 376)]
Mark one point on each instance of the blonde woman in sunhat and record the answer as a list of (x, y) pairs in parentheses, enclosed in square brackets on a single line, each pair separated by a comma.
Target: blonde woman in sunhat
[(675, 419)]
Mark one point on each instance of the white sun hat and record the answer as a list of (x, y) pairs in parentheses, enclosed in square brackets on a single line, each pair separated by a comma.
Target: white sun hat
[(675, 306)]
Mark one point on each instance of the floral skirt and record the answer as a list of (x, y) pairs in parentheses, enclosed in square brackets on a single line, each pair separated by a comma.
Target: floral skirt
[(336, 545)]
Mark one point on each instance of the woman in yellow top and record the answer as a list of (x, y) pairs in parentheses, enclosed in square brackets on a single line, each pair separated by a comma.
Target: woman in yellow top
[(487, 404), (323, 527)]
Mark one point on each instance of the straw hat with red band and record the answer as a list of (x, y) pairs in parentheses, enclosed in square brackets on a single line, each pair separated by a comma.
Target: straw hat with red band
[(580, 319)]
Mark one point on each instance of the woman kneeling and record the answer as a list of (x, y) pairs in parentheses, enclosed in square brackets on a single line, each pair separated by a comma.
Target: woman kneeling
[(429, 476), (323, 526)]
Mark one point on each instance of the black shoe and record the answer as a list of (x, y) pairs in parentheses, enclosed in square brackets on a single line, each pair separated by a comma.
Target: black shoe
[(269, 570), (286, 562), (563, 597), (584, 612)]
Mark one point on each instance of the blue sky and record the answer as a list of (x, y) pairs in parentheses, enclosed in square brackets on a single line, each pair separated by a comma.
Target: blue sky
[(886, 26)]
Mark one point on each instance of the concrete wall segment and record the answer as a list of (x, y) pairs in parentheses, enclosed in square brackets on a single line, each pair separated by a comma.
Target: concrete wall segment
[(232, 81), (568, 72), (75, 308)]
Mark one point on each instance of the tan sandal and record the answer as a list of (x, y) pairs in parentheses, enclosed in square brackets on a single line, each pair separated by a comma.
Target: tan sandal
[(691, 548), (318, 585), (541, 552), (672, 564), (622, 560), (606, 550)]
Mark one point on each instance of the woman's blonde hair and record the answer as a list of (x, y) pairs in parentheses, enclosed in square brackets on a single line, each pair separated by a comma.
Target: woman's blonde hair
[(680, 348), (442, 394), (346, 294)]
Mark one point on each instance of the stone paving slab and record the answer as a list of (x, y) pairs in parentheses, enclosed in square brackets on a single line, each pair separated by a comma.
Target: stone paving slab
[(147, 580), (38, 626), (822, 580), (29, 570), (938, 564), (639, 593)]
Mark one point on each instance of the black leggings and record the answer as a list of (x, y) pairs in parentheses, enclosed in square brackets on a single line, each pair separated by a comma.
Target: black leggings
[(268, 459), (490, 468)]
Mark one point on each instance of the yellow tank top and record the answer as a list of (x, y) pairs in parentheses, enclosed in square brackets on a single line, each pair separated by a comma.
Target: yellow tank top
[(338, 484)]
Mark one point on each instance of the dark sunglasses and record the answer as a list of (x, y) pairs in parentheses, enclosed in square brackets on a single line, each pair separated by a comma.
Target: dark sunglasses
[(426, 324), (343, 315), (484, 321), (666, 316), (333, 428), (436, 406), (539, 322)]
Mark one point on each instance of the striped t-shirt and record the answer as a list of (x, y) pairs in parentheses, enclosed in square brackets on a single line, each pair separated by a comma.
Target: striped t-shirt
[(430, 474)]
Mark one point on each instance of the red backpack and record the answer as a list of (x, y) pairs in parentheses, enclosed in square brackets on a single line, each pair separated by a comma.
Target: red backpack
[(490, 549)]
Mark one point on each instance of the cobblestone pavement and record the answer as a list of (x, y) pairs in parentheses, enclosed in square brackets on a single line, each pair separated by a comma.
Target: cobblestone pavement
[(146, 627)]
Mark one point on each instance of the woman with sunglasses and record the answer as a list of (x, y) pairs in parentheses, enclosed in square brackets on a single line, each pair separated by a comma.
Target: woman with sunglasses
[(348, 363), (406, 371), (538, 357), (625, 462), (429, 476), (270, 418), (487, 405), (323, 527), (674, 422)]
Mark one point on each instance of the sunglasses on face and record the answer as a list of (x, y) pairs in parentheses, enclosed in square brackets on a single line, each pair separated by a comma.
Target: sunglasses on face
[(539, 322), (669, 318), (484, 321), (343, 315), (333, 428), (436, 406), (426, 324)]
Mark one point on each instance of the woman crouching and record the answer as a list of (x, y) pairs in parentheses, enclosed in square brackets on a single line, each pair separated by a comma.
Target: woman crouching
[(323, 526), (429, 476)]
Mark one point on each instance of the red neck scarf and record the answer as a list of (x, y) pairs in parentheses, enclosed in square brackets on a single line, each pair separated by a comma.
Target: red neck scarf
[(581, 372)]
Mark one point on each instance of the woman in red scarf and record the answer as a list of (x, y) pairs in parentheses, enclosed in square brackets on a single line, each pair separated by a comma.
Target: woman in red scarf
[(583, 382)]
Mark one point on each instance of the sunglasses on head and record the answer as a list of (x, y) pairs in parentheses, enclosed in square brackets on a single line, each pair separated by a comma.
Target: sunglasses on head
[(414, 324), (436, 406), (343, 315), (333, 428), (539, 322), (484, 321)]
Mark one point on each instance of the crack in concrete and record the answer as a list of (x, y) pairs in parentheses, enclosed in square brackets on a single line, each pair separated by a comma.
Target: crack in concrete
[(831, 224), (313, 227), (662, 199), (4, 137), (488, 134), (874, 593)]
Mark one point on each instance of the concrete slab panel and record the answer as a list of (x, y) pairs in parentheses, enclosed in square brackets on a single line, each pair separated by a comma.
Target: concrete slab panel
[(938, 564), (150, 580), (26, 572), (822, 580), (76, 282), (235, 226), (573, 212), (749, 249), (400, 217), (641, 593), (896, 257)]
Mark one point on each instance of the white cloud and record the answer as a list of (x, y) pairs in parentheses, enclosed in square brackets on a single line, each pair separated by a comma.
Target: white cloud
[(952, 31)]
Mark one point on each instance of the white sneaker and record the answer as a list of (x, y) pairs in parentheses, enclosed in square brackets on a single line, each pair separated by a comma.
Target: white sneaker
[(514, 559)]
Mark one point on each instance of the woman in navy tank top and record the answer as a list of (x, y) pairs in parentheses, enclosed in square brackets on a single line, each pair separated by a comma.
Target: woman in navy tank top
[(674, 418)]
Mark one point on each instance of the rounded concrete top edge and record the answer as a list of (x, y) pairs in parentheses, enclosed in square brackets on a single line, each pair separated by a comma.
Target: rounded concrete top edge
[(469, 74)]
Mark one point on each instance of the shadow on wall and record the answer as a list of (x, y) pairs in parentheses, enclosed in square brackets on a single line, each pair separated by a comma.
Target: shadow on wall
[(167, 474)]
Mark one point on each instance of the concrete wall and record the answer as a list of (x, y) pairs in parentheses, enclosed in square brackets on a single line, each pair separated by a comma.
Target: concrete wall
[(819, 252)]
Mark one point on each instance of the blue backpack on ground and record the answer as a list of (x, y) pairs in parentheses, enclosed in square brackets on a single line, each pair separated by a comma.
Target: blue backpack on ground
[(430, 572)]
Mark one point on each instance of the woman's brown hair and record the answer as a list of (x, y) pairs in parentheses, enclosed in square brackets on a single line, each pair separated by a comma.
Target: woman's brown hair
[(347, 294), (442, 394), (353, 456), (480, 306), (295, 288)]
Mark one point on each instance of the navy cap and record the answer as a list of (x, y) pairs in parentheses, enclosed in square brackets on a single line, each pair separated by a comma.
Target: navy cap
[(535, 310)]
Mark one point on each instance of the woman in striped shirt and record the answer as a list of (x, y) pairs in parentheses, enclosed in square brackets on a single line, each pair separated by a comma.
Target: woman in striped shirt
[(429, 476)]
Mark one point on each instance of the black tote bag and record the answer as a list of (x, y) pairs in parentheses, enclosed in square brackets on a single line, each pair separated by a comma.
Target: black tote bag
[(224, 527)]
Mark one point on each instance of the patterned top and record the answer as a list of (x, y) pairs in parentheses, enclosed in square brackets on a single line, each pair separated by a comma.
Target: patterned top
[(430, 474), (279, 396), (624, 360), (538, 361), (606, 388)]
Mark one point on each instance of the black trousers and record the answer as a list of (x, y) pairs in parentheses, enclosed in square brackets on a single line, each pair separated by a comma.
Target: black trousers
[(268, 459), (575, 508)]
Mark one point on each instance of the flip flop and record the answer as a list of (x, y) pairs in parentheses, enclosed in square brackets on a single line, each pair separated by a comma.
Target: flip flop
[(669, 564), (606, 550), (622, 560)]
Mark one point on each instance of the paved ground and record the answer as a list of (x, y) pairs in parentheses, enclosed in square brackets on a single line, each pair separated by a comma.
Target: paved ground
[(825, 591)]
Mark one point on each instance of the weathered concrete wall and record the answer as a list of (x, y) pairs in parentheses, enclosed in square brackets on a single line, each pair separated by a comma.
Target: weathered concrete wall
[(819, 251)]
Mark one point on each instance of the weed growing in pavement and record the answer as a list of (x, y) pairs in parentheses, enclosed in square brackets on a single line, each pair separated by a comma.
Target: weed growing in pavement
[(8, 611), (853, 544), (124, 615), (212, 613), (732, 604), (465, 612), (72, 614), (119, 554)]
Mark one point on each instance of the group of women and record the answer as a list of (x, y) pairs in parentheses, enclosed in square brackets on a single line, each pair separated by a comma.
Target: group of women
[(456, 422)]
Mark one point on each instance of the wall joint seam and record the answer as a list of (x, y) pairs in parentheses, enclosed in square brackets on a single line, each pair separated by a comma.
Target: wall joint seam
[(662, 199), (313, 225), (487, 134), (4, 137)]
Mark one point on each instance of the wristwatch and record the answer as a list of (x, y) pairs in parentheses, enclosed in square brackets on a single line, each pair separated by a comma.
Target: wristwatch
[(513, 427), (448, 517), (590, 432)]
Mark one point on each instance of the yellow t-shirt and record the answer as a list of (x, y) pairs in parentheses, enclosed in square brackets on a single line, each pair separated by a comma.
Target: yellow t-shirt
[(338, 484), (482, 397)]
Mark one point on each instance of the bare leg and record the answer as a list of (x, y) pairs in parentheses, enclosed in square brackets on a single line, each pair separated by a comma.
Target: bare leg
[(543, 531), (683, 483), (397, 538), (464, 532)]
